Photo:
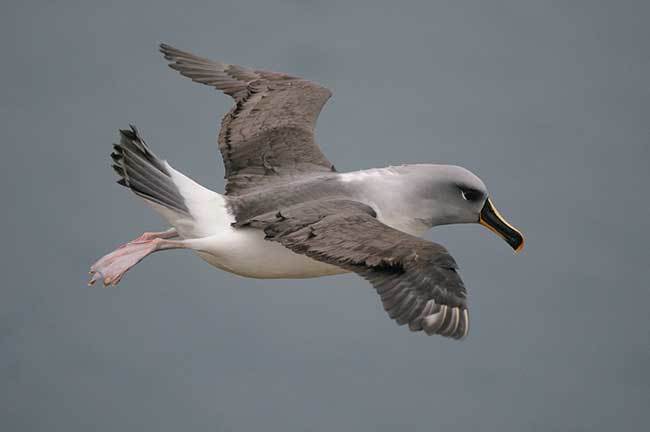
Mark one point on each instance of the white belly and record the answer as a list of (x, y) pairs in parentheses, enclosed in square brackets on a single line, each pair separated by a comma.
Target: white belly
[(244, 251)]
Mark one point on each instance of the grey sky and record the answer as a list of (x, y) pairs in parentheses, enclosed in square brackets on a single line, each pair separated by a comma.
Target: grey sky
[(547, 101)]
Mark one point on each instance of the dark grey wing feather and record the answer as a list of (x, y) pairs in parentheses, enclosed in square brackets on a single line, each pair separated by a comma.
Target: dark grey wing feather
[(417, 280), (144, 173), (269, 133)]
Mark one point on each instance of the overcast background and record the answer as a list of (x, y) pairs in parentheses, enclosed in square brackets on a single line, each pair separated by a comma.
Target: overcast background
[(547, 101)]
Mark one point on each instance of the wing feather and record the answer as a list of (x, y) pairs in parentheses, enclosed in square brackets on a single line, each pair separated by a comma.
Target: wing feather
[(416, 280), (269, 133)]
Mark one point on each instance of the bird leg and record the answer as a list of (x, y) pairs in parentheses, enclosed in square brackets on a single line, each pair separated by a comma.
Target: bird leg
[(170, 233), (111, 267)]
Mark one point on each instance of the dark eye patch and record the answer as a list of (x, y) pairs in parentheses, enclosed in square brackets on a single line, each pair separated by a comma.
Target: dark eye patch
[(471, 194)]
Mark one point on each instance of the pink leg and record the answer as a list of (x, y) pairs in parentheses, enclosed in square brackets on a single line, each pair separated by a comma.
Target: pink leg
[(111, 268), (170, 233)]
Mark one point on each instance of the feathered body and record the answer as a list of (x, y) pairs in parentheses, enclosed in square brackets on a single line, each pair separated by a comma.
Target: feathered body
[(287, 212)]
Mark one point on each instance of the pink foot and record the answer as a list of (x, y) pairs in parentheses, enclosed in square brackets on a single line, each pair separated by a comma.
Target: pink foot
[(110, 268)]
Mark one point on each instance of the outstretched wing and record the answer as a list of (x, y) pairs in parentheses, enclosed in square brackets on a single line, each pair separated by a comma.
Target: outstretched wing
[(416, 279), (269, 133)]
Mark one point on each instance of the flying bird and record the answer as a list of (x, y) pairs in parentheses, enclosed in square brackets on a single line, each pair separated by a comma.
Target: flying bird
[(288, 213)]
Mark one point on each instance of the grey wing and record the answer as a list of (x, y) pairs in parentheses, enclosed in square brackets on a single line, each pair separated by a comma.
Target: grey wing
[(269, 133), (417, 280)]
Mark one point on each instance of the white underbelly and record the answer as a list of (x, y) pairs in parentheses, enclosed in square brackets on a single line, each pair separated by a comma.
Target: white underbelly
[(244, 251)]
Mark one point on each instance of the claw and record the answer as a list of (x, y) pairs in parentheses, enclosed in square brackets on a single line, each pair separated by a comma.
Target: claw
[(95, 276)]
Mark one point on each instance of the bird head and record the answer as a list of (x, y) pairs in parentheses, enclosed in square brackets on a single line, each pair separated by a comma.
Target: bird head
[(456, 195)]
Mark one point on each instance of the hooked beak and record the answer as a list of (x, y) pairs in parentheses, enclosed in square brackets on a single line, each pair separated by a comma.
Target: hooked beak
[(493, 220)]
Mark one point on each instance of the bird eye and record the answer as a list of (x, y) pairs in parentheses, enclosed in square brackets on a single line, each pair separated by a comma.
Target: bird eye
[(471, 194)]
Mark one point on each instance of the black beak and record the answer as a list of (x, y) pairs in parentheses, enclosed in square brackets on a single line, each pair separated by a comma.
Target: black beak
[(491, 219)]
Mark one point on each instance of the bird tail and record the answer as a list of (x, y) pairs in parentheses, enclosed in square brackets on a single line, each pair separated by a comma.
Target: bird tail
[(185, 204), (144, 173)]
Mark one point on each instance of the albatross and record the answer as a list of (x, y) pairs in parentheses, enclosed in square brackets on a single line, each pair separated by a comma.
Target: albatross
[(288, 213)]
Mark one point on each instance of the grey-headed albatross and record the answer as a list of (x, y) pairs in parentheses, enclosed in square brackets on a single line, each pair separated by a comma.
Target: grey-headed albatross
[(287, 212)]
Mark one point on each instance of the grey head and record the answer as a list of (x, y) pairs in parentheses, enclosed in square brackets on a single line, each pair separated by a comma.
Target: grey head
[(438, 195)]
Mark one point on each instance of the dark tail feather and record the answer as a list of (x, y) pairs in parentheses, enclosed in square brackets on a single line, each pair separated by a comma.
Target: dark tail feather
[(144, 173)]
